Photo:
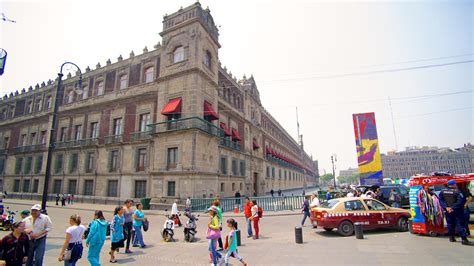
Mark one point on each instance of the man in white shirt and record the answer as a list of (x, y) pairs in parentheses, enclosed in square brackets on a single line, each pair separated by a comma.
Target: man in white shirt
[(37, 226), (314, 201)]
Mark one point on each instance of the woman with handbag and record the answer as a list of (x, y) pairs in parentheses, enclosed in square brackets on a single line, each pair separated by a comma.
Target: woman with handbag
[(72, 248), (213, 233), (15, 246)]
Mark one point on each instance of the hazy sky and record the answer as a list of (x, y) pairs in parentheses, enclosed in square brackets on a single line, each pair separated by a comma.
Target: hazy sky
[(300, 54)]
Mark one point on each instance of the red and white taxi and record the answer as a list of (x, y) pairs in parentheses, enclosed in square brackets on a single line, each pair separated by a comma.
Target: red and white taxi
[(342, 213)]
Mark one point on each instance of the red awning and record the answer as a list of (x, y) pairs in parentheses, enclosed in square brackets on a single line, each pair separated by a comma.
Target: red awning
[(226, 129), (209, 111), (235, 135), (172, 107), (255, 144)]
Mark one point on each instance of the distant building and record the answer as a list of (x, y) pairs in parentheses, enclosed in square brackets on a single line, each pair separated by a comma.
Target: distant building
[(349, 172), (425, 160)]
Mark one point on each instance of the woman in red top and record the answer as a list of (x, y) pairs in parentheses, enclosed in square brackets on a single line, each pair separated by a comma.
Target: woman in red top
[(248, 214), (16, 245)]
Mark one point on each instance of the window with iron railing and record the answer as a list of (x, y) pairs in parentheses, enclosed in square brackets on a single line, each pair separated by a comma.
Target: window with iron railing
[(112, 188), (57, 183), (35, 186), (88, 187), (172, 158), (72, 186), (141, 158), (26, 185)]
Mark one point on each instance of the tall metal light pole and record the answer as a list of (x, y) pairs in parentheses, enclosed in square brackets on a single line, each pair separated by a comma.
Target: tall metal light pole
[(333, 161), (52, 143)]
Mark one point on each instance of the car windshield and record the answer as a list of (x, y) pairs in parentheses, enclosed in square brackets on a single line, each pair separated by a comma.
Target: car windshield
[(330, 203)]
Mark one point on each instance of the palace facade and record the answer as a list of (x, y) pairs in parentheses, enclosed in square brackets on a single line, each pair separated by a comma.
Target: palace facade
[(168, 123)]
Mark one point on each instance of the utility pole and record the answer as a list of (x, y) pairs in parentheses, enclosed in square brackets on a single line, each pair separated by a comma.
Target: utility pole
[(333, 161)]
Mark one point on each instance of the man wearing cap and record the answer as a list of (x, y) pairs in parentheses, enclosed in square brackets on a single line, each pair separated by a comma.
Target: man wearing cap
[(452, 201), (37, 226)]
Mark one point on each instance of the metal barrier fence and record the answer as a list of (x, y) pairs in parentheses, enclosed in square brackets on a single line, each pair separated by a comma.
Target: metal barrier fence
[(267, 203)]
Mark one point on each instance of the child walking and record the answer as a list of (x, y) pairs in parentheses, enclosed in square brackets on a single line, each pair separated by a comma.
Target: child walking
[(231, 242)]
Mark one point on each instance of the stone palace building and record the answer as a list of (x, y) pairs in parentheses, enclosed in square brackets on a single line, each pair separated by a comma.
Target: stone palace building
[(168, 123)]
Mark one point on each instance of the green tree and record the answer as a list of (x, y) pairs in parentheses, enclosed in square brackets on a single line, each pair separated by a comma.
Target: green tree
[(354, 179), (326, 178)]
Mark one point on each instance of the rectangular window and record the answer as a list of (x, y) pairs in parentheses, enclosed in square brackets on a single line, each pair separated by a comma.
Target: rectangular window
[(2, 165), (241, 186), (234, 167), (268, 171), (172, 157), (224, 165), (117, 127), (62, 135), (33, 138), (90, 162), (77, 132), (242, 168), (43, 137), (140, 188), (222, 187), (18, 165), (72, 186), (35, 186), (48, 102), (233, 187), (5, 143), (73, 162), (94, 130), (26, 185), (113, 161), (16, 185), (88, 187), (57, 186), (171, 188), (144, 120), (23, 140), (112, 188), (100, 88), (38, 164), (28, 162), (141, 160), (59, 164)]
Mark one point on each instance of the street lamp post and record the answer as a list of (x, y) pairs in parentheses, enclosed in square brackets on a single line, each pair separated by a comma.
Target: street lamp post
[(52, 143), (333, 161)]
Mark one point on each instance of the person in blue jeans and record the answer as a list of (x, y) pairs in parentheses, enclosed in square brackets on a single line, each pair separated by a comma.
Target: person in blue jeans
[(138, 218), (305, 210), (37, 226), (96, 238)]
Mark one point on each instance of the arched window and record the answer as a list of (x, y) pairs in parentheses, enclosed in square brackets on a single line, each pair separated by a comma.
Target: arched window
[(100, 88), (178, 54), (207, 59), (149, 74), (123, 81), (237, 102)]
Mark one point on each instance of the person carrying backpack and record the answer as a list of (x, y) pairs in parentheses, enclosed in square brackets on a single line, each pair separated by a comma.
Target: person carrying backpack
[(257, 213), (305, 210)]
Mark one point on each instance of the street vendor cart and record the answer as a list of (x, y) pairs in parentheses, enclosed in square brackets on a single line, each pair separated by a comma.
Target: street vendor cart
[(426, 211)]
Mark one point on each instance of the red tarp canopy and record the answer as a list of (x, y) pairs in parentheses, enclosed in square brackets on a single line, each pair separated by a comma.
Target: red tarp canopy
[(172, 107), (255, 144), (235, 135), (439, 180), (226, 129), (209, 111)]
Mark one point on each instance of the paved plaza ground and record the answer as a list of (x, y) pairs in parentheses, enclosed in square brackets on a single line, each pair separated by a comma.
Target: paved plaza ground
[(276, 246)]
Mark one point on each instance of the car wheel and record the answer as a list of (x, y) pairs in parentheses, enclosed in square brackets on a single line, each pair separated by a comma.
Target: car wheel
[(328, 229), (345, 228), (402, 224)]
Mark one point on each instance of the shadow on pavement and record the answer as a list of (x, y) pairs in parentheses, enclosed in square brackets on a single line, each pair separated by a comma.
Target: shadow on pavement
[(379, 231)]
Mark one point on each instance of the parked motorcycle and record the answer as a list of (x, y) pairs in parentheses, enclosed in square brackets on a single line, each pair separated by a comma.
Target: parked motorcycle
[(190, 227), (168, 228), (7, 220)]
